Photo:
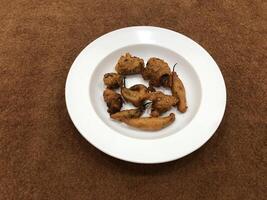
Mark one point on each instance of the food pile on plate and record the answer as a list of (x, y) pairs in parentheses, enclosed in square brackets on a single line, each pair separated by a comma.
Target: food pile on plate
[(158, 73)]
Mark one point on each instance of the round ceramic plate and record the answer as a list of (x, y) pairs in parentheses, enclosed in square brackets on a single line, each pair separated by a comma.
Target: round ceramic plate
[(203, 81)]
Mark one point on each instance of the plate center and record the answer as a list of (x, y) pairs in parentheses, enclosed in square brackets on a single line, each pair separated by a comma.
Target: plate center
[(184, 70)]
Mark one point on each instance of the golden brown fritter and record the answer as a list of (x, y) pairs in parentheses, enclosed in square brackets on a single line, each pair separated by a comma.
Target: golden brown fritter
[(112, 80), (126, 114), (161, 102), (135, 94), (142, 89), (178, 91), (113, 101), (131, 113), (128, 65), (157, 72), (150, 123)]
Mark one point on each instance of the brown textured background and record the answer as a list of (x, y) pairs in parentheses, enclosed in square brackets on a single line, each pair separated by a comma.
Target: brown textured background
[(42, 155)]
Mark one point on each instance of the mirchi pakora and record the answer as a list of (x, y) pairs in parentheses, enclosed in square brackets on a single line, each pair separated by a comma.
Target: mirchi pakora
[(113, 100), (157, 71), (178, 91), (128, 65), (126, 114), (135, 94), (161, 103), (150, 123), (112, 80), (129, 114)]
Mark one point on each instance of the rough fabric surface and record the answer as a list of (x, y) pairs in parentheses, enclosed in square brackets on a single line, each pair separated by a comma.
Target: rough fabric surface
[(42, 155)]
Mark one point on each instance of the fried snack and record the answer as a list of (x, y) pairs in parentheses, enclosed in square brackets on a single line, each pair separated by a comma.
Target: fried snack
[(113, 101), (150, 123), (161, 102), (127, 114), (128, 65), (135, 94), (151, 89), (131, 113), (139, 88), (112, 80), (178, 91), (157, 72)]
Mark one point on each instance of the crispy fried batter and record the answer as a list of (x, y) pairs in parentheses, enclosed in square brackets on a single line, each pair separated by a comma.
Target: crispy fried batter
[(161, 103), (151, 89), (150, 123), (113, 101), (128, 65), (126, 114), (157, 71), (135, 94), (112, 80), (178, 91), (131, 113)]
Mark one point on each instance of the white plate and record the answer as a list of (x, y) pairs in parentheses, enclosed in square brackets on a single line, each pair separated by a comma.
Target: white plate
[(204, 84)]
